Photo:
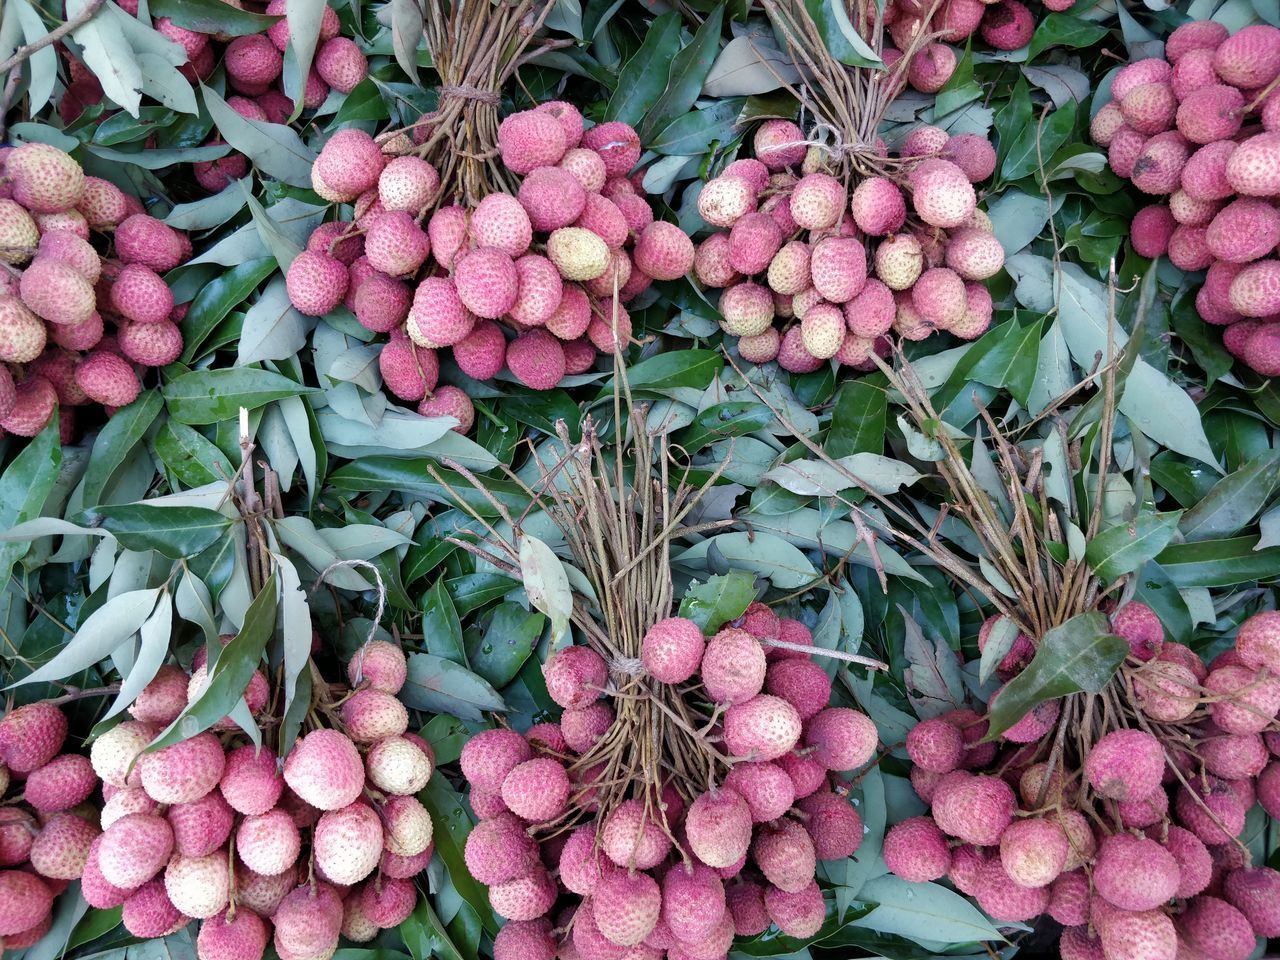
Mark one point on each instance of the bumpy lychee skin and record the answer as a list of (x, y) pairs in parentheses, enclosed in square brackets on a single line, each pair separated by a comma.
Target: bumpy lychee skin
[(61, 848), (1150, 108), (184, 772), (838, 267), (242, 937), (251, 782), (763, 728), (753, 242), (1255, 291), (348, 843), (672, 649), (370, 715), (348, 165), (536, 359), (664, 251), (1254, 891), (316, 283), (1247, 702), (134, 849), (487, 282), (626, 906), (56, 291), (1003, 898), (530, 139), (733, 667), (747, 309), (490, 755), (325, 770), (616, 143), (974, 808), (537, 790), (307, 922), (1253, 169), (201, 827), (797, 914), (198, 886), (1214, 928), (1249, 58), (380, 664), (718, 825), (1134, 873), (575, 676), (500, 849), (841, 738), (45, 179), (149, 913), (31, 736), (1257, 643), (1244, 230), (916, 850), (693, 902), (725, 199), (1151, 229), (1125, 764), (802, 683), (94, 887), (779, 144), (524, 898), (935, 745), (395, 244), (1034, 851), (630, 839), (817, 201)]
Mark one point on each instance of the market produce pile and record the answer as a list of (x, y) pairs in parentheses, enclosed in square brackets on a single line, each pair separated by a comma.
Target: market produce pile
[(529, 480)]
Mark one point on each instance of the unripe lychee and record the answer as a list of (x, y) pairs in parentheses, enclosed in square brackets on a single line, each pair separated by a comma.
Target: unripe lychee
[(823, 330), (916, 850), (45, 179), (134, 849), (899, 261), (398, 766), (198, 886), (578, 253), (726, 198), (325, 770), (348, 843)]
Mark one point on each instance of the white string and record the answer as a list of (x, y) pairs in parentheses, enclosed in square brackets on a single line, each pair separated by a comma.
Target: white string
[(377, 614)]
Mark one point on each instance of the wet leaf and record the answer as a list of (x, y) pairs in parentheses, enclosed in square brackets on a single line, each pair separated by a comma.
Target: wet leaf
[(437, 685)]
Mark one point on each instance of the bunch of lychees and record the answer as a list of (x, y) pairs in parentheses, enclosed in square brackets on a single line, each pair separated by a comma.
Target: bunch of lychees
[(322, 845), (83, 305), (1200, 129), (831, 243), (532, 282), (690, 785), (1119, 815), (254, 64)]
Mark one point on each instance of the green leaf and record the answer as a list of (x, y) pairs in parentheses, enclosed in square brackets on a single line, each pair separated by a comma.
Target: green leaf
[(155, 634), (370, 474), (999, 642), (1125, 547), (440, 626), (1219, 563), (274, 148), (689, 69), (437, 685), (679, 368), (644, 77), (25, 486), (1234, 500), (230, 670), (764, 554), (173, 532), (926, 912), (218, 298), (1011, 363), (282, 247), (507, 642), (211, 16), (192, 458), (1080, 655), (722, 598), (210, 396), (117, 440), (867, 471), (107, 53), (733, 418), (1063, 30), (858, 419), (839, 35), (118, 619), (695, 132), (547, 584), (1022, 158), (1011, 119), (425, 936)]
